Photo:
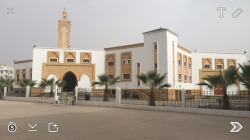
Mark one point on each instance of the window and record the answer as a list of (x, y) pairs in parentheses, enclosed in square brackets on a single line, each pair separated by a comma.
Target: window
[(155, 66), (138, 65), (155, 45), (1, 71), (24, 76), (128, 61), (123, 61), (11, 72), (179, 62), (85, 61), (189, 65), (179, 76), (190, 78), (110, 63), (69, 60), (53, 60), (185, 77), (111, 76), (138, 83), (126, 76), (185, 64), (206, 66), (231, 66), (219, 67)]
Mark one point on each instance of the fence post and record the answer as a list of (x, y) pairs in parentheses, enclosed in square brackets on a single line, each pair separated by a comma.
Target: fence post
[(183, 100), (56, 95), (76, 92), (118, 95), (4, 92), (27, 91)]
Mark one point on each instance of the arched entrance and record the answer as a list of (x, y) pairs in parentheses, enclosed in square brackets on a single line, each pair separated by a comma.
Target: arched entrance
[(71, 80)]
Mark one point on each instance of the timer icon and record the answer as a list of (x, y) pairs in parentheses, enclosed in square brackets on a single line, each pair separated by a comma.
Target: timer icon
[(12, 127)]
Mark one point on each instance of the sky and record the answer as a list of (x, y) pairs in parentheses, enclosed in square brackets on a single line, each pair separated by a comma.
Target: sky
[(98, 24)]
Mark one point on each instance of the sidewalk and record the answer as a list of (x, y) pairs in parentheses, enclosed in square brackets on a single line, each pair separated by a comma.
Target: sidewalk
[(95, 123)]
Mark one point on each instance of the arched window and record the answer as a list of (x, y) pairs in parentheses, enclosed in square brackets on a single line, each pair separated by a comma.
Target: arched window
[(53, 57)]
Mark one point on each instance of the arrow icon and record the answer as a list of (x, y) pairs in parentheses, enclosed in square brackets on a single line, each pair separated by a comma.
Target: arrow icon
[(237, 126), (32, 127)]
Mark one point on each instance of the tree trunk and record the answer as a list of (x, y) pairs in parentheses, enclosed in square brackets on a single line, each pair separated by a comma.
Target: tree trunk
[(151, 98), (226, 103), (51, 93), (105, 96)]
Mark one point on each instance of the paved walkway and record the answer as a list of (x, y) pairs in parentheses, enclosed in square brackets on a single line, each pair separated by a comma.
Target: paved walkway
[(99, 123)]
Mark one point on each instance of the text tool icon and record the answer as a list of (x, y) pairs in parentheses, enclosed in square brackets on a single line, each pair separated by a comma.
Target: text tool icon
[(52, 127), (32, 127), (12, 127)]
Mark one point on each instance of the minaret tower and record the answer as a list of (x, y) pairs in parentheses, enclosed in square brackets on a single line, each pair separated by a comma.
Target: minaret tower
[(64, 31)]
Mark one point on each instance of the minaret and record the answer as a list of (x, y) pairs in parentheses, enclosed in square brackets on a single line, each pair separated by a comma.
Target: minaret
[(64, 31)]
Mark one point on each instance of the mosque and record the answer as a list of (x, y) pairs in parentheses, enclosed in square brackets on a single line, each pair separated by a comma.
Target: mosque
[(159, 51)]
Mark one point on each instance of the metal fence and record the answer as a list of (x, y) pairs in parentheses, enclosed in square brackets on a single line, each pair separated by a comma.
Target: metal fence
[(16, 92), (90, 94), (193, 98), (198, 99), (163, 97)]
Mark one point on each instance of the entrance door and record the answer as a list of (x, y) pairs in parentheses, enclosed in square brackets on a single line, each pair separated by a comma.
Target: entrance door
[(71, 81)]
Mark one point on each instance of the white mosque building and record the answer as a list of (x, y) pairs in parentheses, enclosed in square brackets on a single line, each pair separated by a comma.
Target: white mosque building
[(159, 51)]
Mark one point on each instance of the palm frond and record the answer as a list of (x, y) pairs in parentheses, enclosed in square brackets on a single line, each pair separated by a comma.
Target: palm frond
[(165, 85)]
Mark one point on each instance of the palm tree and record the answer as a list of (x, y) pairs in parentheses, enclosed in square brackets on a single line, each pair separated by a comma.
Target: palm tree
[(105, 80), (27, 82), (51, 83), (244, 77), (61, 83), (6, 82), (223, 79), (153, 80)]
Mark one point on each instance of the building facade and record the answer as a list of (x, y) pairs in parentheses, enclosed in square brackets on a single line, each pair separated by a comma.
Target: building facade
[(159, 51), (23, 70), (6, 71)]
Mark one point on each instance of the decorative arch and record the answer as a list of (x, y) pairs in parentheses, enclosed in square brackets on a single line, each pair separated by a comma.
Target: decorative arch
[(85, 57), (219, 63), (53, 56), (110, 58), (206, 63), (69, 56), (85, 81), (71, 81), (231, 63), (53, 75)]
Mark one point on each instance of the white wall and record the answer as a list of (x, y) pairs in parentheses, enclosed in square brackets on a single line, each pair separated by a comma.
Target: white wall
[(145, 56)]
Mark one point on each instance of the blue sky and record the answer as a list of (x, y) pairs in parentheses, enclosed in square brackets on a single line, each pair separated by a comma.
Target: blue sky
[(98, 24)]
